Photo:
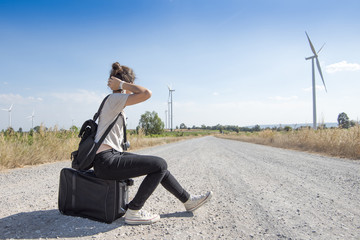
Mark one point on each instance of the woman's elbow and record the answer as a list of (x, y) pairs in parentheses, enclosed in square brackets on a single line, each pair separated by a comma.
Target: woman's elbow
[(148, 93)]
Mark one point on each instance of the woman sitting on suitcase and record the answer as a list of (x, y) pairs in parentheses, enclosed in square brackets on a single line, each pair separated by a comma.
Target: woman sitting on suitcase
[(112, 163)]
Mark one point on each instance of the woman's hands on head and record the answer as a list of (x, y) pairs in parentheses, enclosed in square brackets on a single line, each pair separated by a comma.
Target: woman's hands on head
[(137, 93), (114, 83)]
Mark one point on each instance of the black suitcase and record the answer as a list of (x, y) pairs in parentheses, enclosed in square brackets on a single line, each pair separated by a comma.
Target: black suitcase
[(82, 194)]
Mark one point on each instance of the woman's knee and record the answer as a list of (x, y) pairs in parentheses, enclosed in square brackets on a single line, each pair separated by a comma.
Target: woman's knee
[(160, 163)]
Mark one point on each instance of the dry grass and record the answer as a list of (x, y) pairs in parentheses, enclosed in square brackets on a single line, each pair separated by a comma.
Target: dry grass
[(332, 142), (21, 149), (144, 142)]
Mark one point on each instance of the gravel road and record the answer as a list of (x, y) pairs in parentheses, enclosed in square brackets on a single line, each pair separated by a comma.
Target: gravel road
[(260, 192)]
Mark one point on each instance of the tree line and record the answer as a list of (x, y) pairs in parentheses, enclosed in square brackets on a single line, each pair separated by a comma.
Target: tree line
[(151, 124)]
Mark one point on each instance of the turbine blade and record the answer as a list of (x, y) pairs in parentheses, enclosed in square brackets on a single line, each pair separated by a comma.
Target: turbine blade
[(321, 48), (311, 45), (11, 107), (319, 68)]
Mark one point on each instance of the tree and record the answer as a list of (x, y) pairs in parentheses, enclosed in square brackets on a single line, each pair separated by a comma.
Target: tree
[(288, 128), (183, 126), (9, 131), (256, 128), (343, 120), (151, 123), (37, 129), (237, 129), (352, 123), (73, 128)]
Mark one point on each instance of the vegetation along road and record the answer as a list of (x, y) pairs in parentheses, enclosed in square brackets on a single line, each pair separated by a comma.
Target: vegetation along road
[(260, 192)]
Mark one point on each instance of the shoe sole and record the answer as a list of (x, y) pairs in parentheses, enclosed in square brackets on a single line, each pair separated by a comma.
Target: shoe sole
[(208, 197), (142, 222)]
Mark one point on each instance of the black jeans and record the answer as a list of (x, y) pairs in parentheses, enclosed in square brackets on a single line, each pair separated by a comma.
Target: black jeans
[(113, 165)]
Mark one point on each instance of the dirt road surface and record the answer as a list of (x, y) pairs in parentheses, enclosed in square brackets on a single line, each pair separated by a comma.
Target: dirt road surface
[(260, 192)]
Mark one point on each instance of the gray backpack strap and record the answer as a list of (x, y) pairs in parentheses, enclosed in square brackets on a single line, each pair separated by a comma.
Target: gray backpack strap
[(108, 130), (97, 114)]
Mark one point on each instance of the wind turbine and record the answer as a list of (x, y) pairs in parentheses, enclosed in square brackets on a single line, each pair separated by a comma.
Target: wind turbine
[(9, 110), (32, 119), (170, 105), (315, 56)]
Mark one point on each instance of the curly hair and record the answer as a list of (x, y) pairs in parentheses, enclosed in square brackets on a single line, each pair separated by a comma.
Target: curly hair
[(122, 72)]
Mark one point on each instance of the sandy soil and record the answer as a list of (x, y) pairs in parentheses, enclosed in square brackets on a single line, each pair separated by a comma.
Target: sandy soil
[(259, 193)]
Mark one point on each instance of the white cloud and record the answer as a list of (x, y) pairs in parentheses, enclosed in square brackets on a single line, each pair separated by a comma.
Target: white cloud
[(279, 98), (39, 99), (56, 108), (18, 99), (318, 88), (215, 93), (81, 96), (342, 66)]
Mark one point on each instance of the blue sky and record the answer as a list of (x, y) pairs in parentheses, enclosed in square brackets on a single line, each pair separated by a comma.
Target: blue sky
[(230, 62)]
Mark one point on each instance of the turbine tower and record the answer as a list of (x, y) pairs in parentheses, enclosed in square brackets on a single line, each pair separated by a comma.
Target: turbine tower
[(170, 107), (9, 110), (32, 119), (315, 56)]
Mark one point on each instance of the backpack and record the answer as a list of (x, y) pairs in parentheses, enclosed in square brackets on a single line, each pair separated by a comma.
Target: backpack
[(83, 158)]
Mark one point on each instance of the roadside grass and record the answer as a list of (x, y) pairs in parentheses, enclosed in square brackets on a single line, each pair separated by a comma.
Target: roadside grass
[(334, 142), (51, 145)]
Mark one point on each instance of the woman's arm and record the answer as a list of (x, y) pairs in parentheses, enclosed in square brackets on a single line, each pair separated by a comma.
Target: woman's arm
[(139, 94)]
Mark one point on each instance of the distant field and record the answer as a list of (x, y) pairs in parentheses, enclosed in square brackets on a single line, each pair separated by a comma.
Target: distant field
[(332, 142)]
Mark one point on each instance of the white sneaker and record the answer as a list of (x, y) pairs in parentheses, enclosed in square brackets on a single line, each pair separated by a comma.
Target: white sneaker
[(196, 201), (140, 217)]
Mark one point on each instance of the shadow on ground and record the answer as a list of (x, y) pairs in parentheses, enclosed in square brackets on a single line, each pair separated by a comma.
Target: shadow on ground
[(52, 224), (177, 215)]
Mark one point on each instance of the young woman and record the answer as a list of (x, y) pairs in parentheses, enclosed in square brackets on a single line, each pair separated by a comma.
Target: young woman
[(111, 162)]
